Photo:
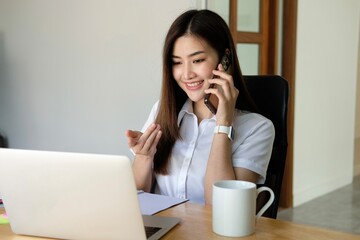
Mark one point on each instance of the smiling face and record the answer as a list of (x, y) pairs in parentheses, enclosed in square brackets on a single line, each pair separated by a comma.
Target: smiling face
[(193, 62)]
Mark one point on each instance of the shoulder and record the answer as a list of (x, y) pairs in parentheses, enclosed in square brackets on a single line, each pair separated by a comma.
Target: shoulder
[(156, 106), (155, 109), (152, 116), (249, 123)]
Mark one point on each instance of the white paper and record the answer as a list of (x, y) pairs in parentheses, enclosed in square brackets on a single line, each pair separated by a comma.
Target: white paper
[(154, 203)]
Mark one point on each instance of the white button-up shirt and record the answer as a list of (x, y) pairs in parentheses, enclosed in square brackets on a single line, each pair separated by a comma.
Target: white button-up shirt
[(251, 149)]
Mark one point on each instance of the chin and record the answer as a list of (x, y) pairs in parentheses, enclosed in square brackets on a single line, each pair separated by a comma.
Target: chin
[(197, 99), (196, 96)]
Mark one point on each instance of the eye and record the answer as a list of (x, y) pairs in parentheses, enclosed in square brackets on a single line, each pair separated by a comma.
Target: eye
[(199, 60), (176, 63)]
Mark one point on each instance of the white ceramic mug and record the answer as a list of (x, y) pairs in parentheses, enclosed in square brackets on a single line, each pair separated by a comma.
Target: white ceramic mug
[(234, 207)]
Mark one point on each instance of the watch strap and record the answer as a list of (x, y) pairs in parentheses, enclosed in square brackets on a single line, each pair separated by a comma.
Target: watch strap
[(228, 130)]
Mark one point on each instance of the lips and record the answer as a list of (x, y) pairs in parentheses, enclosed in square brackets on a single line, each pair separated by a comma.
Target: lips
[(194, 85)]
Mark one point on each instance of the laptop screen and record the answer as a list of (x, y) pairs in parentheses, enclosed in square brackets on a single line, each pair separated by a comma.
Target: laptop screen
[(70, 195)]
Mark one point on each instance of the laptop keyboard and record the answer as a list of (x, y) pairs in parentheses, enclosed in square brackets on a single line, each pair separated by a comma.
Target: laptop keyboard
[(151, 231)]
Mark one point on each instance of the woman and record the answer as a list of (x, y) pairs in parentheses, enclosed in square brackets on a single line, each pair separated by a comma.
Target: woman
[(183, 147)]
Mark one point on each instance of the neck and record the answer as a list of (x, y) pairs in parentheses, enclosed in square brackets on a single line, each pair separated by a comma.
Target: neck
[(201, 111)]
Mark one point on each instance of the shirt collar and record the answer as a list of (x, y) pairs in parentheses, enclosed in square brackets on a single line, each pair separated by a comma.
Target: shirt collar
[(187, 108)]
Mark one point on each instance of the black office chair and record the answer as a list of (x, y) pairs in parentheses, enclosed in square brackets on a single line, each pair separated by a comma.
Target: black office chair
[(270, 94), (3, 141)]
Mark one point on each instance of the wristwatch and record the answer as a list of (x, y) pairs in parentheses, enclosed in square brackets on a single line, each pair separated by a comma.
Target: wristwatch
[(229, 131)]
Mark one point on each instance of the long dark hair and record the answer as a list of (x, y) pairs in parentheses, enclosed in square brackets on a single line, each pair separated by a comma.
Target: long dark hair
[(207, 26)]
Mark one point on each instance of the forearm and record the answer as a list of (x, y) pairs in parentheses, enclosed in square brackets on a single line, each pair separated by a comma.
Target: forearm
[(219, 165), (143, 173)]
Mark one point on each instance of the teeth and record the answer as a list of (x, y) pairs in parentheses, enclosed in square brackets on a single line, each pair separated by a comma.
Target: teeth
[(194, 84)]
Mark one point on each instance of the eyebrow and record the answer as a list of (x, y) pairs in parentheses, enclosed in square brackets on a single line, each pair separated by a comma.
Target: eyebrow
[(190, 55)]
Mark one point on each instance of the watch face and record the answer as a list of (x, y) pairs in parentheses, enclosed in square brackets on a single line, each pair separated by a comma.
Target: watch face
[(229, 131), (232, 133)]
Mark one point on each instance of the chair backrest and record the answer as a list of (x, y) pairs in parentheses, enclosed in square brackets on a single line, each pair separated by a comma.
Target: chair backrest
[(270, 93), (3, 142)]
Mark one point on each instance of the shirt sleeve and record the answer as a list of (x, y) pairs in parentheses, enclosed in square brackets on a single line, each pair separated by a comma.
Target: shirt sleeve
[(254, 137), (152, 116)]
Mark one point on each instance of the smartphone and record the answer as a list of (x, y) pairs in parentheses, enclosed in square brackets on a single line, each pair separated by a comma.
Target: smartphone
[(211, 101)]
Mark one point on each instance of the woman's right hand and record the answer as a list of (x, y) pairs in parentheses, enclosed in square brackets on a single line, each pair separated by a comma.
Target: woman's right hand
[(144, 144)]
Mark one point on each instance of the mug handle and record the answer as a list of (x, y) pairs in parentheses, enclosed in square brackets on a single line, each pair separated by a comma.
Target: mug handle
[(268, 203)]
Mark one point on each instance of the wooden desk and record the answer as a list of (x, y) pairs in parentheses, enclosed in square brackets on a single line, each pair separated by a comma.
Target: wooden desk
[(196, 224)]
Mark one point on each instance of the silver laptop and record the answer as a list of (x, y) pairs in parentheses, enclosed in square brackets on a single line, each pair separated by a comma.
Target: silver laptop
[(74, 196)]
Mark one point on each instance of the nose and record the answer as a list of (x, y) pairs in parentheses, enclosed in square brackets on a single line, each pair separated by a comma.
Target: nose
[(188, 72)]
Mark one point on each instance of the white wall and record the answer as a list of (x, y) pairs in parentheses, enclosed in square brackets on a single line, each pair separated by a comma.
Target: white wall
[(75, 74), (326, 69), (357, 121), (357, 106)]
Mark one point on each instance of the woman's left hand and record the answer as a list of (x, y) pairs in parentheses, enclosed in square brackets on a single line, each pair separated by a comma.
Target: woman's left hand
[(227, 94)]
